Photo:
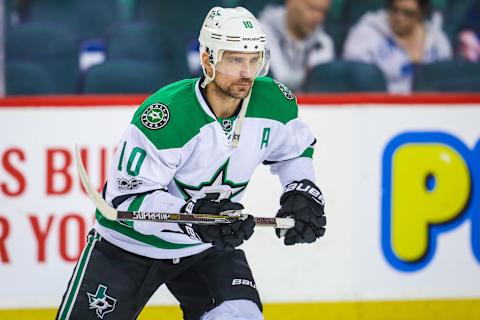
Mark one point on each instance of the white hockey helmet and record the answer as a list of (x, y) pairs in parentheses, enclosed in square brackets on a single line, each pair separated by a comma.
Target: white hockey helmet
[(231, 29)]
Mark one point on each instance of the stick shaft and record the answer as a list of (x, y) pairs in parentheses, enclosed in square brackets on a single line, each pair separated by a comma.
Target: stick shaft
[(199, 218), (112, 214)]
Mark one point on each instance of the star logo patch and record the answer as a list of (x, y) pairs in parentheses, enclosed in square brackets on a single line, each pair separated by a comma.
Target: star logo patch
[(101, 302), (218, 183), (155, 116)]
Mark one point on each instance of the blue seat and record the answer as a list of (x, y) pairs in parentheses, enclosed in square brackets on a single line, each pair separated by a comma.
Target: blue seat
[(49, 46), (184, 17), (345, 76), (85, 19), (124, 77), (448, 76), (152, 43), (27, 78)]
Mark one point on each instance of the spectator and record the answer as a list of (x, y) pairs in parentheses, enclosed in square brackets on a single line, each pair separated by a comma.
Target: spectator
[(396, 39), (469, 37), (296, 39)]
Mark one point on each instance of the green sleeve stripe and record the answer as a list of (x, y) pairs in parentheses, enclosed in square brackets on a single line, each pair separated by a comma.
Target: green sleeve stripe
[(136, 203), (128, 230), (308, 153), (134, 206)]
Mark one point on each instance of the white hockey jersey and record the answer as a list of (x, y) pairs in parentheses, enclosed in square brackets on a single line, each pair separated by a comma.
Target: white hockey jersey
[(175, 149)]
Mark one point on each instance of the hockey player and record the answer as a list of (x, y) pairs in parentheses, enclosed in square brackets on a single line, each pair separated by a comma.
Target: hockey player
[(192, 147)]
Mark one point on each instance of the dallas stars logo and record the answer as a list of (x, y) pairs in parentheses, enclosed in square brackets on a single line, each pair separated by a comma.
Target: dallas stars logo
[(155, 116), (218, 183), (102, 303), (286, 92)]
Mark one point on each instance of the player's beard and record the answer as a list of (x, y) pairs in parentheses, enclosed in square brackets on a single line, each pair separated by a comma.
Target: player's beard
[(236, 90)]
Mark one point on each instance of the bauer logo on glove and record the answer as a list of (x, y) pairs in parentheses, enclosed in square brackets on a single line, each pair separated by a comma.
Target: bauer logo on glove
[(309, 188)]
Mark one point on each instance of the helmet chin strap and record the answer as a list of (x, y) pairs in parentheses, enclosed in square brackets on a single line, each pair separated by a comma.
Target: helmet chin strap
[(207, 79), (213, 62)]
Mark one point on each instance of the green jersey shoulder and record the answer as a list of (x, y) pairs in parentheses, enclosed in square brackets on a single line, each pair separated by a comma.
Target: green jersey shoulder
[(172, 116), (272, 100)]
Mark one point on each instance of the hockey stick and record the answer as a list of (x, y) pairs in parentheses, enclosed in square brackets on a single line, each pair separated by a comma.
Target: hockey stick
[(112, 214)]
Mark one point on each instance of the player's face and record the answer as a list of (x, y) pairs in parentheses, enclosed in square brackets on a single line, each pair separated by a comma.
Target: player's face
[(404, 15), (306, 15), (235, 72)]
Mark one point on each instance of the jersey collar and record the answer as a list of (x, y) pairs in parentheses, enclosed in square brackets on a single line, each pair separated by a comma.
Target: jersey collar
[(202, 99)]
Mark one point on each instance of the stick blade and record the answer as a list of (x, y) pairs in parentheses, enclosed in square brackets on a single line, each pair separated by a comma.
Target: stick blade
[(107, 211)]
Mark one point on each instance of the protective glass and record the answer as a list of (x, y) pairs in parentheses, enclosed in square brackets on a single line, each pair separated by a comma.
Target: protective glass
[(266, 64), (240, 64)]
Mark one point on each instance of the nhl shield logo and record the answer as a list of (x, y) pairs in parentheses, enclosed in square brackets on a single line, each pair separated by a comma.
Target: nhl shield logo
[(101, 302), (155, 116), (226, 125)]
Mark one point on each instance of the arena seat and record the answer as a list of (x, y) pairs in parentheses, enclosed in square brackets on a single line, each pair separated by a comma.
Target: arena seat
[(85, 19), (124, 77), (448, 76), (152, 43), (49, 46), (184, 17), (27, 78), (345, 76)]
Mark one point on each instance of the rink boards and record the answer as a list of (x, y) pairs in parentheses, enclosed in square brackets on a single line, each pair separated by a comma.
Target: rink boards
[(400, 177)]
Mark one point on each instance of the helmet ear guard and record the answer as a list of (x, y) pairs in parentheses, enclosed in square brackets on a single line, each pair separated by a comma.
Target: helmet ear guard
[(227, 29), (211, 60)]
